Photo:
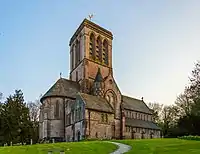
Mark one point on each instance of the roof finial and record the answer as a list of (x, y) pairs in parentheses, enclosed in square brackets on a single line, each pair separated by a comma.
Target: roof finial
[(91, 16), (60, 75), (142, 98)]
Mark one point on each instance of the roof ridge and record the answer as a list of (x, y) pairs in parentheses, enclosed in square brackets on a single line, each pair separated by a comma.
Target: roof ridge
[(92, 95), (131, 97), (67, 80)]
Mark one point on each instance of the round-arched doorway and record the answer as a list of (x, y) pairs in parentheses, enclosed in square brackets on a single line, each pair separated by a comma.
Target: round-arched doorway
[(78, 136)]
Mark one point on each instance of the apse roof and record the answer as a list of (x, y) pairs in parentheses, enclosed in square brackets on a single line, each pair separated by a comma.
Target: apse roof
[(63, 88)]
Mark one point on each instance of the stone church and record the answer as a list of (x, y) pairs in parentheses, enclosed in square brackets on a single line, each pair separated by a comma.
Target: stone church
[(90, 105)]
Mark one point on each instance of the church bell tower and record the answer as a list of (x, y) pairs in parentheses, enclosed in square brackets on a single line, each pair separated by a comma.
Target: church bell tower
[(90, 50), (91, 66)]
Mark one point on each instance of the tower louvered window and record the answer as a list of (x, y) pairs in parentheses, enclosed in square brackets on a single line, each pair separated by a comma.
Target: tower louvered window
[(98, 49), (92, 46), (71, 59), (77, 52), (105, 52), (73, 49)]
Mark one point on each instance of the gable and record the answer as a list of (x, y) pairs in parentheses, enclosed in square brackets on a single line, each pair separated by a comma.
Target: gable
[(135, 104)]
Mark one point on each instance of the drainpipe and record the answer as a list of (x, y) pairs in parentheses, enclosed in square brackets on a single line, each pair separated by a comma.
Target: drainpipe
[(89, 121), (84, 120)]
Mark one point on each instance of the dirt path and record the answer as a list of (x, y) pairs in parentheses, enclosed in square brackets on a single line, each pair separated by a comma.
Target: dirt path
[(122, 148)]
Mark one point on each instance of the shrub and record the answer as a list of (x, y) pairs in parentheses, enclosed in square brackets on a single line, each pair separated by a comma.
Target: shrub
[(190, 137)]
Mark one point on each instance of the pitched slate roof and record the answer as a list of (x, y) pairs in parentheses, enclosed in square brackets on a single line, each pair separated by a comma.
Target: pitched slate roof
[(96, 103), (135, 104), (63, 88), (141, 123)]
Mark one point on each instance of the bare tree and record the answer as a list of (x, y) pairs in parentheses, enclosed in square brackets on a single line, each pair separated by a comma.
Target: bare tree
[(157, 110), (1, 95), (34, 108), (184, 103)]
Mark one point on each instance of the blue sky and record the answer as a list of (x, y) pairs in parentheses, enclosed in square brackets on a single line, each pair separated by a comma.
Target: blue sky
[(155, 45)]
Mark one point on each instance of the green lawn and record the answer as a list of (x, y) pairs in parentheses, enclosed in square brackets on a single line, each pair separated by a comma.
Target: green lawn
[(92, 147), (163, 146), (146, 146)]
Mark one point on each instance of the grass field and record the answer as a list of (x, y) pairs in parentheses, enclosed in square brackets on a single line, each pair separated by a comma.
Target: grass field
[(163, 146), (151, 146), (92, 147)]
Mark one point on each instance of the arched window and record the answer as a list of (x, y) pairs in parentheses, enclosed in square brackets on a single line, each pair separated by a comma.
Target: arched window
[(57, 110), (106, 117), (102, 117), (92, 46), (111, 98), (71, 58), (73, 49), (98, 49), (77, 52), (76, 76), (105, 52), (72, 116)]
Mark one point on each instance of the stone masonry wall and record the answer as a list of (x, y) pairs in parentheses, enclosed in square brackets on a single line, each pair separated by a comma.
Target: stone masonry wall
[(68, 133), (52, 123), (136, 133), (97, 128)]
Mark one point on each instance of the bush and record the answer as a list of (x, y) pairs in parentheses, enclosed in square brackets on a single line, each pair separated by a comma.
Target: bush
[(94, 139), (190, 137)]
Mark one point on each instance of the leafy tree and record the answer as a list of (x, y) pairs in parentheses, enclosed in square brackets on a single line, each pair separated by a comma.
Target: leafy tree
[(169, 118), (184, 103), (189, 105), (16, 121), (166, 117), (189, 125), (182, 118), (1, 119), (195, 89)]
